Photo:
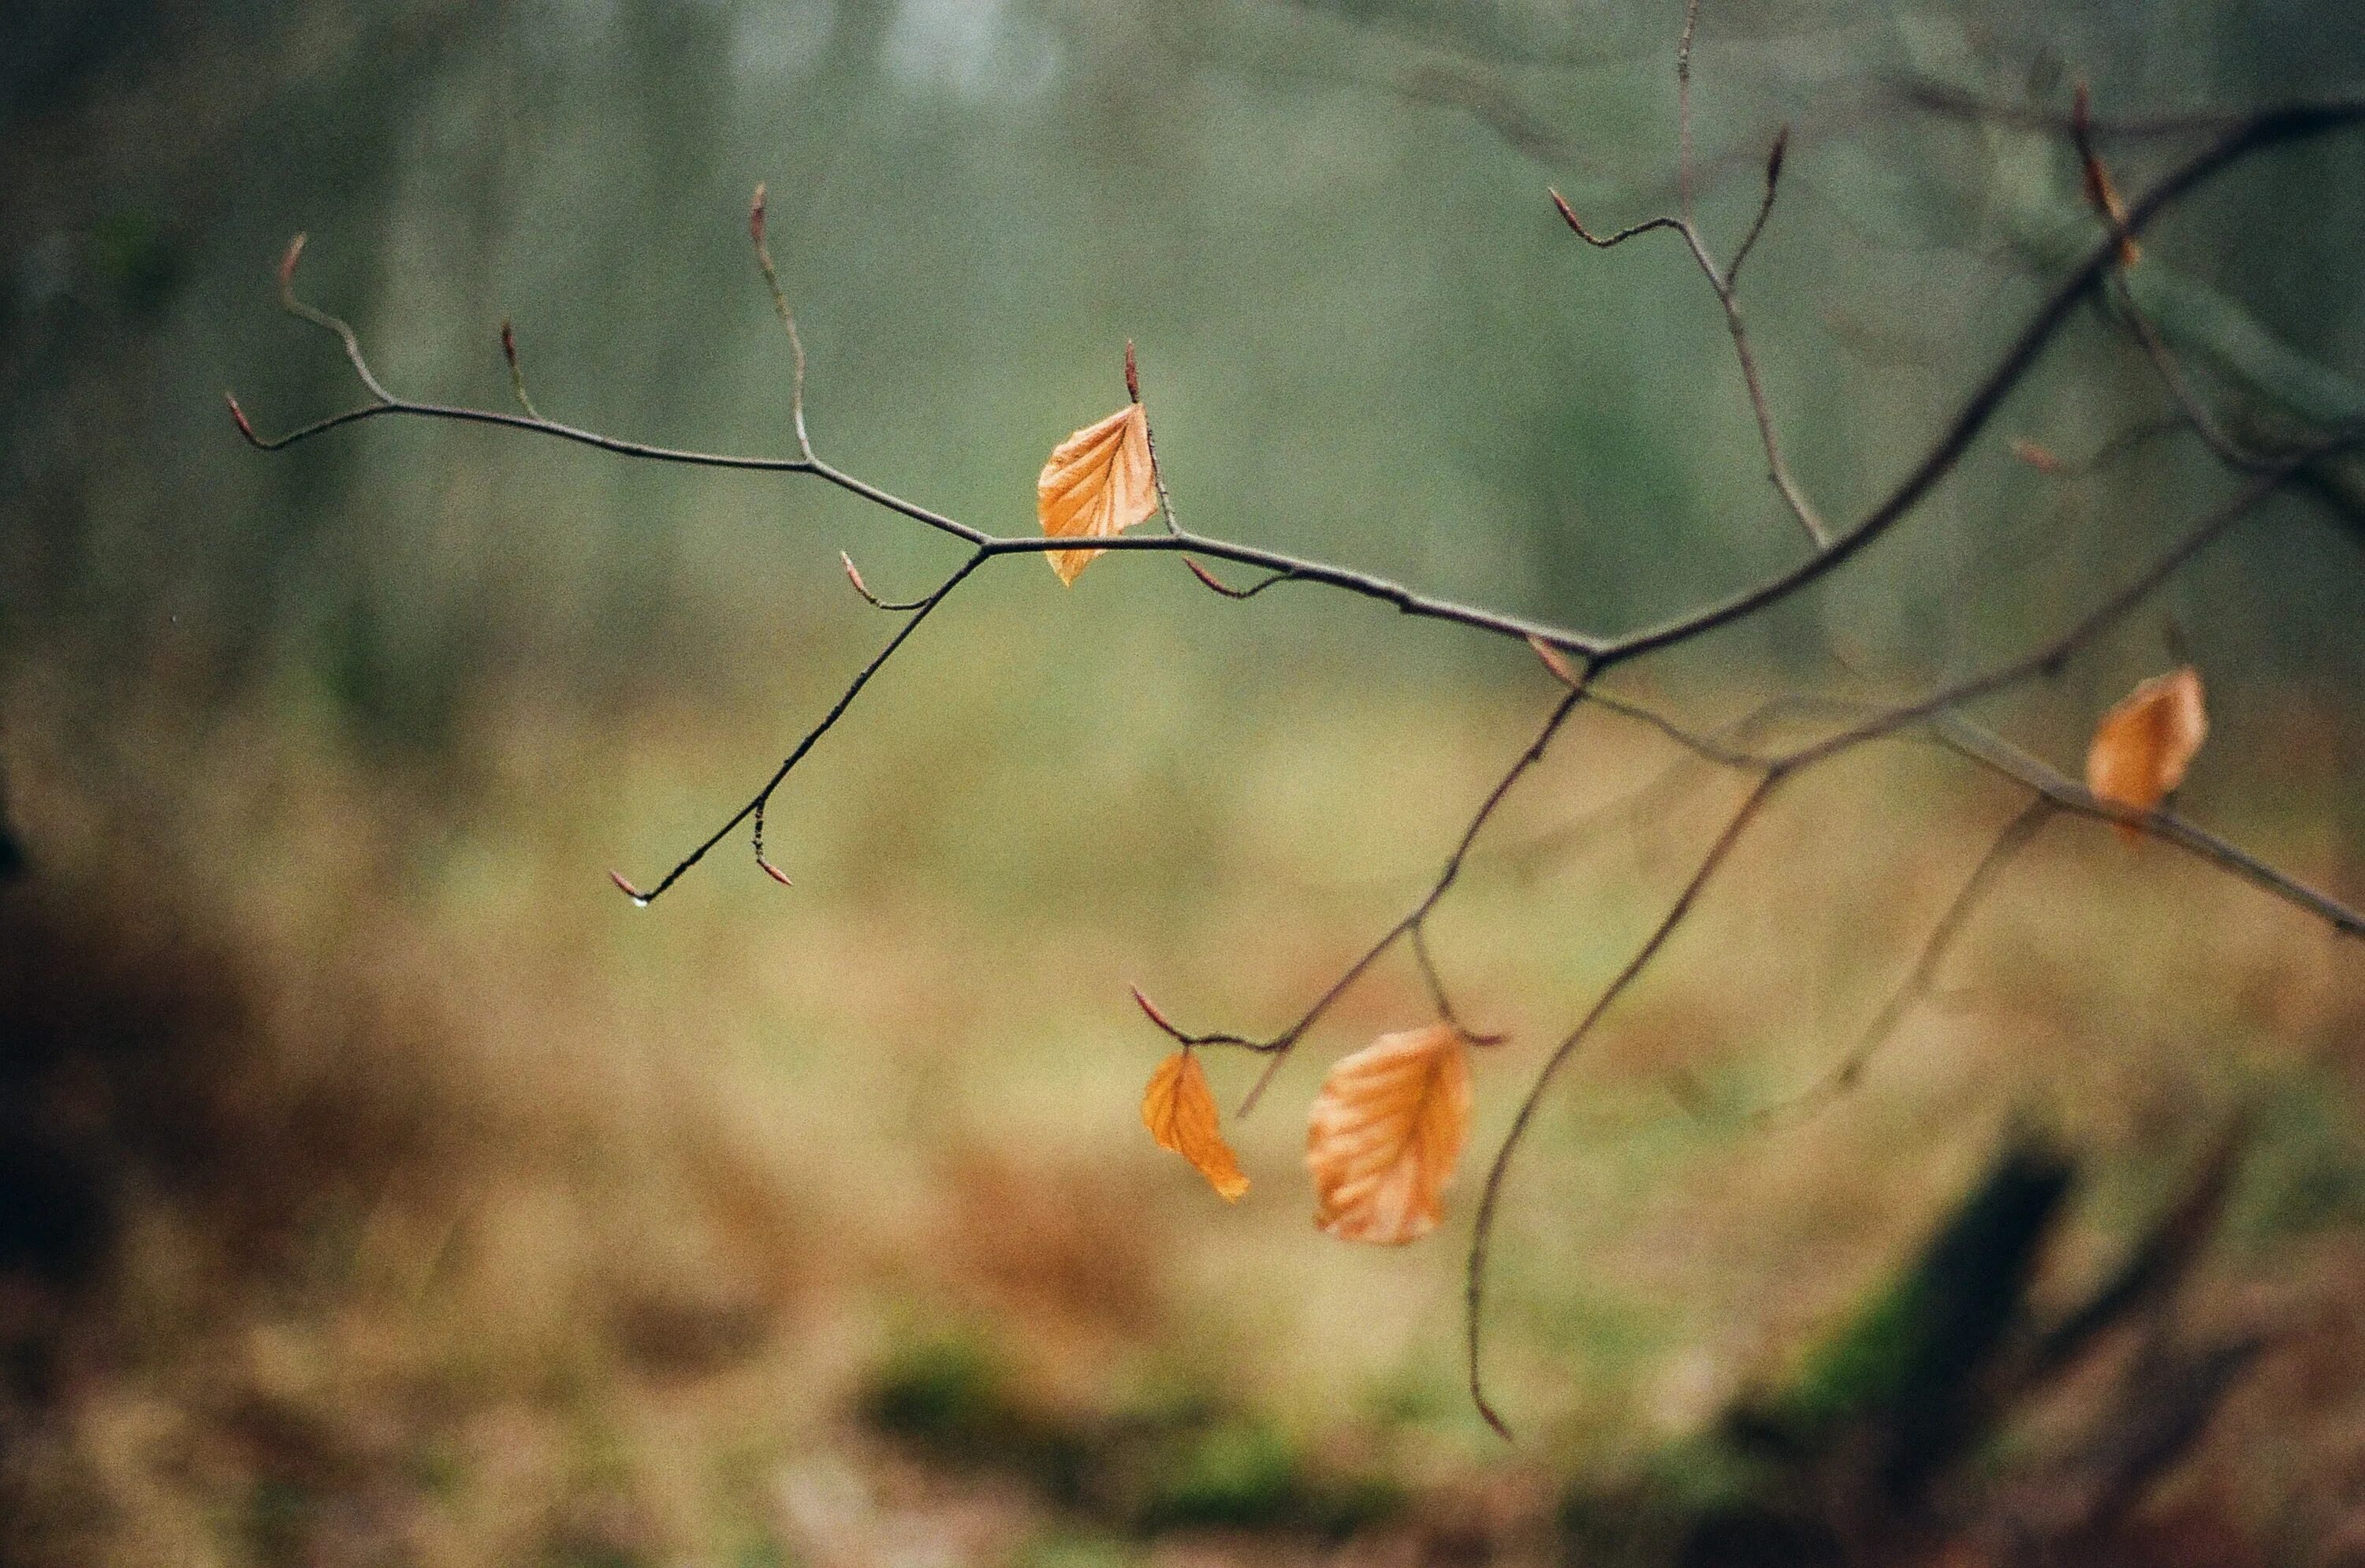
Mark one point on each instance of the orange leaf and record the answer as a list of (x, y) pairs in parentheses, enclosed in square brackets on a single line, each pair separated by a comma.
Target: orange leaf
[(1385, 1133), (1098, 483), (2143, 745), (1178, 1109)]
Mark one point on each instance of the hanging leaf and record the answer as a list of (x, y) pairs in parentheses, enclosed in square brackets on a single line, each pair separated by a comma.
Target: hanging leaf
[(1178, 1109), (1385, 1133), (2143, 745), (1097, 484)]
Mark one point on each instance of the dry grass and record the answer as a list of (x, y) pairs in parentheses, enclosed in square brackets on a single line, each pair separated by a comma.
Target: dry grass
[(432, 1206)]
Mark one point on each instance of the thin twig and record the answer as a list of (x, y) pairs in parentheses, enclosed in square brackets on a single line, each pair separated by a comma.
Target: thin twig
[(517, 373), (836, 712), (788, 320), (1482, 1232), (1764, 207), (1430, 976), (1278, 1047), (1684, 111), (1604, 242), (854, 576), (1843, 1075)]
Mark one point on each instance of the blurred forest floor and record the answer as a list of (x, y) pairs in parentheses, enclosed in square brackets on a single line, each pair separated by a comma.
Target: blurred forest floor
[(388, 1191)]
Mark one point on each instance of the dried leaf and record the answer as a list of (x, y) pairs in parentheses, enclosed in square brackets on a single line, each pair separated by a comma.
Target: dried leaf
[(1178, 1109), (1385, 1134), (1097, 484), (2143, 745)]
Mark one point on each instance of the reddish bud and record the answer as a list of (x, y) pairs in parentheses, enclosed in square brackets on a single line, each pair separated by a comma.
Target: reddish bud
[(239, 414), (1150, 1009), (287, 263), (627, 889), (2040, 458), (1774, 159), (1567, 213), (755, 217), (1132, 373), (1210, 578), (854, 576), (508, 343), (1556, 662), (774, 872)]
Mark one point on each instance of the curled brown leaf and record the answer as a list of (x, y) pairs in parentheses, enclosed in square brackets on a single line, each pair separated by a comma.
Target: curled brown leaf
[(1178, 1109), (2144, 746)]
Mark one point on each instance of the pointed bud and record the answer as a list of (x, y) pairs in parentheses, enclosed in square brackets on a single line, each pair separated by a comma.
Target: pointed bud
[(1149, 1008), (1132, 373), (1556, 662)]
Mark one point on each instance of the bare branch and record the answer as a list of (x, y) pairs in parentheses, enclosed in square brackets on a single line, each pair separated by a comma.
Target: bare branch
[(788, 320), (1483, 1230), (1843, 1075), (1278, 1047), (779, 774)]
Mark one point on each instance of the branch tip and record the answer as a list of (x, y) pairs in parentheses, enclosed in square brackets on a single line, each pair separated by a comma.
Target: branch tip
[(244, 427), (773, 871), (509, 343), (1773, 158), (294, 254), (1150, 1010), (1568, 213), (755, 217), (1213, 581), (639, 899)]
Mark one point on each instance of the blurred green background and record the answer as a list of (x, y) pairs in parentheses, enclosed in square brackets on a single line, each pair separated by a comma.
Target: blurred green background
[(387, 1190)]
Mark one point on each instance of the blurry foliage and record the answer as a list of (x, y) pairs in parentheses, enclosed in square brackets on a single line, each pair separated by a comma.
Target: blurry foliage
[(365, 1190), (1180, 1461)]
